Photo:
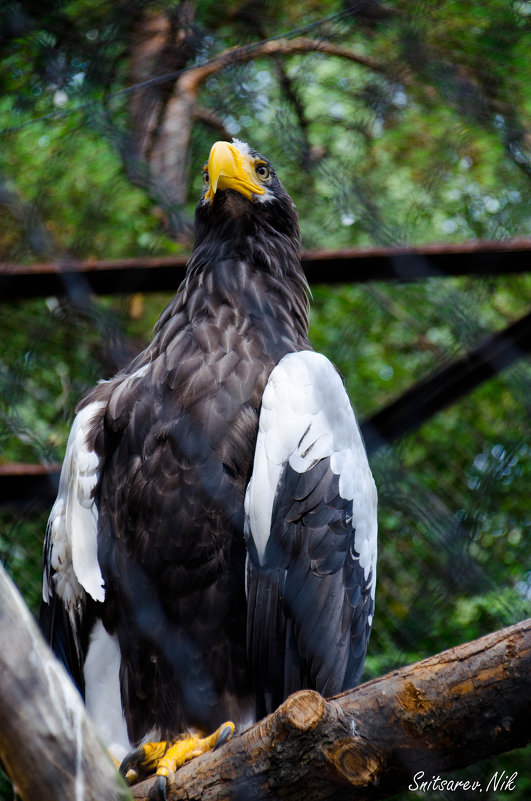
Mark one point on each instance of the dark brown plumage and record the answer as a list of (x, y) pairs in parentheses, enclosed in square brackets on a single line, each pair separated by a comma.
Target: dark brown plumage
[(167, 449)]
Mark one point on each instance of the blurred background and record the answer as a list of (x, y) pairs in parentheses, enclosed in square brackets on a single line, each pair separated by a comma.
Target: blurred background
[(392, 124)]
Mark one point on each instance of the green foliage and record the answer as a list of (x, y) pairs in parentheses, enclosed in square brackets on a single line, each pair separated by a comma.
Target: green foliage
[(74, 178)]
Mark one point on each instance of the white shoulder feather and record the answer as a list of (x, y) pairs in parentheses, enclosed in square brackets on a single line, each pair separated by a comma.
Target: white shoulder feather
[(305, 416), (71, 548)]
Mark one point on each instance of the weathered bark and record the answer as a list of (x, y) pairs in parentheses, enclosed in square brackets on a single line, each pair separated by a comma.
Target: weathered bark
[(47, 744), (440, 714)]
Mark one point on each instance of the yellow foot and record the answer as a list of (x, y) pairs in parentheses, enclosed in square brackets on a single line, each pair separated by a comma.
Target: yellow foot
[(165, 758)]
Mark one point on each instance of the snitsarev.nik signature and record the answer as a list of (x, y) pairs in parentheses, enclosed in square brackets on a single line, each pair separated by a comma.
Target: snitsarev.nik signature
[(498, 782)]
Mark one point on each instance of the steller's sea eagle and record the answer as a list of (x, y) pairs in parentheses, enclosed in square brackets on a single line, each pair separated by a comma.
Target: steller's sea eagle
[(213, 544)]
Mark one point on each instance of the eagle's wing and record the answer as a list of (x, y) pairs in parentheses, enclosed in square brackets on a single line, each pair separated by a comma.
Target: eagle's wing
[(71, 571), (311, 536)]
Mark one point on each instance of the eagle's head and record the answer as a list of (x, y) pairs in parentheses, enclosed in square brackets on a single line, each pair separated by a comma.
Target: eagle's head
[(242, 194)]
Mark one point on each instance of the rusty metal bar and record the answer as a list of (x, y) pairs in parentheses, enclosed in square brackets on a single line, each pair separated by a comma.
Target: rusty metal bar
[(80, 278), (28, 483)]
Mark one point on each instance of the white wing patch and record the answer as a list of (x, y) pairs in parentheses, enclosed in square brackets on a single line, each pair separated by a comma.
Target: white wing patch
[(306, 415), (102, 691), (73, 525)]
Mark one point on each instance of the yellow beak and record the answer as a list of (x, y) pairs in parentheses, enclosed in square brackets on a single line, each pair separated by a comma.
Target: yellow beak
[(230, 169)]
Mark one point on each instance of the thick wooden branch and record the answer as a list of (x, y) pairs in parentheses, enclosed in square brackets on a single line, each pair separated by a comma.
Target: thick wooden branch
[(47, 744), (438, 715), (412, 725)]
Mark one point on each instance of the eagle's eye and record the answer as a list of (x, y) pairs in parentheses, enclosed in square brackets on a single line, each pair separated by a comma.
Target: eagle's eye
[(205, 176), (263, 171)]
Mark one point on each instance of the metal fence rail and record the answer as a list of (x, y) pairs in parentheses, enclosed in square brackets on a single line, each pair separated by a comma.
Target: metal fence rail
[(160, 274)]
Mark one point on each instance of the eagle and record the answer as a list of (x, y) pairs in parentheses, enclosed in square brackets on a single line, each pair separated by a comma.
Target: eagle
[(212, 548)]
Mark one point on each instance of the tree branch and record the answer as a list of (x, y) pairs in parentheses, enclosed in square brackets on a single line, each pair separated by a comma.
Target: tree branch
[(440, 714), (194, 77), (47, 743), (443, 713)]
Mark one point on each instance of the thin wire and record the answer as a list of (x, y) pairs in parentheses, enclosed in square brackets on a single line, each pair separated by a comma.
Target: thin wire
[(176, 73)]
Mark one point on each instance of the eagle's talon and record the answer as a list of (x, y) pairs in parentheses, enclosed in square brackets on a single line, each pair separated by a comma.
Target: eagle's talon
[(143, 760), (161, 784), (224, 733), (132, 761)]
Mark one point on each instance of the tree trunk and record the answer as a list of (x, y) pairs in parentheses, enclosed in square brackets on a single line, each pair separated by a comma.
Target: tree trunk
[(47, 744), (396, 731)]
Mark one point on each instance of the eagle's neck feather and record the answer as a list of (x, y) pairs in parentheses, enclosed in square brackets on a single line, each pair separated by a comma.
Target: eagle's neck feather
[(254, 275)]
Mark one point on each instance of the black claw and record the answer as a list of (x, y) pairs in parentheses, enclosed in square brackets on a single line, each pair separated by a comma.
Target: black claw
[(162, 782), (132, 760), (223, 737)]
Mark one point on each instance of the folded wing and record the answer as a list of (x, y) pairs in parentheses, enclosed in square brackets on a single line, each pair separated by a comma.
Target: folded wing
[(72, 578), (311, 536)]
